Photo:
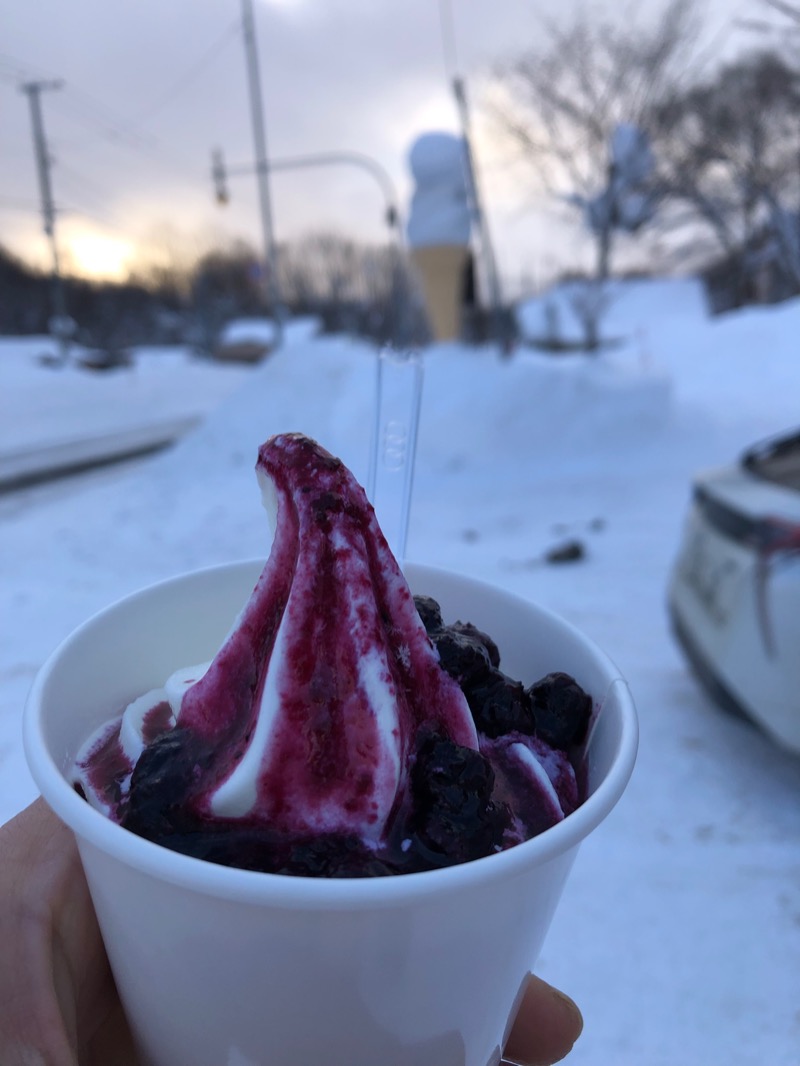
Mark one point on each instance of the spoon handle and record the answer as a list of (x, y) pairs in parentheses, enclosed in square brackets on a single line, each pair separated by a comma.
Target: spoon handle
[(398, 398)]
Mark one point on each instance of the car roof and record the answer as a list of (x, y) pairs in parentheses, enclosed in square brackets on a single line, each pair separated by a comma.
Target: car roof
[(777, 459), (741, 490)]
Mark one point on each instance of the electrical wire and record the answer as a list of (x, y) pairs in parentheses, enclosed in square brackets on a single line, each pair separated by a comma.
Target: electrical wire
[(69, 209), (10, 203), (448, 38), (76, 103), (114, 128), (186, 79), (66, 174)]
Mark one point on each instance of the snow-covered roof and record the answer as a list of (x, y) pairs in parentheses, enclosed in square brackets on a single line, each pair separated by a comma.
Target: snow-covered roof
[(248, 331)]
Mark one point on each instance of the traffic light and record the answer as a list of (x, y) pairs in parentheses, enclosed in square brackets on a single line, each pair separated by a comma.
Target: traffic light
[(219, 177)]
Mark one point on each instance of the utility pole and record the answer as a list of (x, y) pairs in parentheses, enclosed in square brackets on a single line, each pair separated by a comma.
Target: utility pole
[(478, 214), (59, 320), (272, 283), (487, 256)]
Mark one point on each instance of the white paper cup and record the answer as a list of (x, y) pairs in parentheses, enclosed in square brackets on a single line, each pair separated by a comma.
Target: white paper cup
[(224, 967)]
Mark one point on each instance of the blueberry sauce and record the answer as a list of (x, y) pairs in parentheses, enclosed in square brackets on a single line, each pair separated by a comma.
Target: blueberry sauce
[(365, 739)]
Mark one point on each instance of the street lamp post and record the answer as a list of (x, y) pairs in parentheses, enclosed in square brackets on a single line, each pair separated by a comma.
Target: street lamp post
[(478, 213), (220, 173), (272, 283)]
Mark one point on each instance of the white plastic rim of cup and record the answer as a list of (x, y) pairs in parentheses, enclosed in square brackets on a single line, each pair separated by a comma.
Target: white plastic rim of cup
[(224, 967)]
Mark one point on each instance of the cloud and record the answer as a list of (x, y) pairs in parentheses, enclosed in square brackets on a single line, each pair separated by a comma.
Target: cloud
[(150, 88)]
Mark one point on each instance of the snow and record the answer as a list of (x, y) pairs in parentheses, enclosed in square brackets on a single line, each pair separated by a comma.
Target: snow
[(248, 331), (679, 930), (45, 410)]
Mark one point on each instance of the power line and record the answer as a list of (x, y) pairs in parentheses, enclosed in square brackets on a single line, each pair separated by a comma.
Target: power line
[(67, 209), (13, 72), (178, 87), (448, 38), (115, 128), (82, 186), (74, 176), (10, 203), (109, 126), (148, 148), (77, 103)]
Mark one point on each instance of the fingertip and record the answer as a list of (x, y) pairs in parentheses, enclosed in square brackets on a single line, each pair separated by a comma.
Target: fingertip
[(546, 1027)]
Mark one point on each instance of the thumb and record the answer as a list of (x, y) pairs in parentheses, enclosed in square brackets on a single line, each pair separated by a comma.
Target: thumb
[(546, 1026)]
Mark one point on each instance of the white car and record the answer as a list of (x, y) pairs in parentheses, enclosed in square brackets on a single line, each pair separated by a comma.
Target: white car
[(734, 594)]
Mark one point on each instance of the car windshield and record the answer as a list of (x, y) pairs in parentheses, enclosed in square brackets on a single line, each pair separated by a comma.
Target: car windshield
[(777, 461)]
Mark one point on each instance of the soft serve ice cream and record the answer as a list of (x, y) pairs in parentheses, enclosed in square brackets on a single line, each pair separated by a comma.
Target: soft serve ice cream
[(342, 729)]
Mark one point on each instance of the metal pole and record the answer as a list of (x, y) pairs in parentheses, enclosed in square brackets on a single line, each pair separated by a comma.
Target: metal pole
[(393, 217), (450, 55), (33, 90), (220, 173), (272, 283), (484, 237)]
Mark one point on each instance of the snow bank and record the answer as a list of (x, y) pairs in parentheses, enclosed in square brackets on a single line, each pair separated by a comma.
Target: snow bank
[(678, 931)]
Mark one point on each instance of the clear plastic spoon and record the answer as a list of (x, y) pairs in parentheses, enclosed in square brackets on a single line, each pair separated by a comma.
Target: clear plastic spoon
[(398, 398)]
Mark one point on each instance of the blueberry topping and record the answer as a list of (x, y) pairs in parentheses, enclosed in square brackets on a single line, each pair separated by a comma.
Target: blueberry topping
[(162, 780), (561, 710), (450, 816), (463, 657), (387, 727), (500, 705), (429, 612), (467, 629), (454, 818), (332, 856)]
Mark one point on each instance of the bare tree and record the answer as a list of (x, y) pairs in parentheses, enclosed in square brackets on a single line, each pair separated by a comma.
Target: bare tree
[(791, 11), (730, 149), (566, 102), (785, 222), (359, 288)]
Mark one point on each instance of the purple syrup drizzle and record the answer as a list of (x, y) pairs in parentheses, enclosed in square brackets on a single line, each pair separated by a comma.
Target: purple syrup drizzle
[(330, 762), (367, 771), (157, 721), (106, 768)]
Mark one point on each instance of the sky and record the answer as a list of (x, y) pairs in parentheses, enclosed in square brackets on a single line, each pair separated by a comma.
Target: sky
[(149, 89), (678, 932)]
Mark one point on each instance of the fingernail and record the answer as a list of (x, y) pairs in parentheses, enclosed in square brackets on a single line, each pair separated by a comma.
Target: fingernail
[(571, 1008)]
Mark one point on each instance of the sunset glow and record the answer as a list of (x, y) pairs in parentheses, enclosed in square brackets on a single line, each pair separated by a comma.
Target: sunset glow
[(95, 255)]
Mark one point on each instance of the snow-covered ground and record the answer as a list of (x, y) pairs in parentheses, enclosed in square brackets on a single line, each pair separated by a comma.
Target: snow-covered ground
[(61, 417), (679, 932)]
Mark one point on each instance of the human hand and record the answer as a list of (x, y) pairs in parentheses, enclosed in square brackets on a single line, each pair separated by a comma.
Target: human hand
[(546, 1026), (58, 1003)]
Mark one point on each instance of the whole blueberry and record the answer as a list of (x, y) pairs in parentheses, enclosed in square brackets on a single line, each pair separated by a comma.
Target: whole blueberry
[(430, 612), (454, 819), (467, 629), (561, 710), (500, 705), (463, 656)]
